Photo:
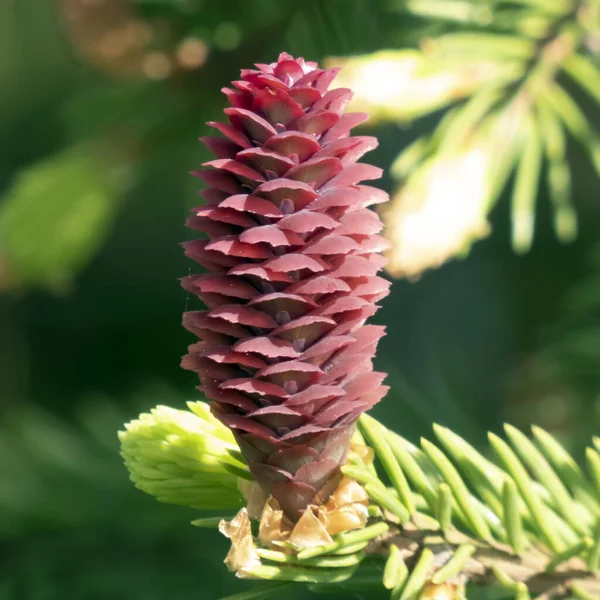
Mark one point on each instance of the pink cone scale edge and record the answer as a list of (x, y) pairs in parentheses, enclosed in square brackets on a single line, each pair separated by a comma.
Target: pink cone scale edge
[(292, 252)]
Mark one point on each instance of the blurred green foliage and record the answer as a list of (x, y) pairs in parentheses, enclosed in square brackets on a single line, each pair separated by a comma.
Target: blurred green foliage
[(101, 104), (46, 243), (517, 78)]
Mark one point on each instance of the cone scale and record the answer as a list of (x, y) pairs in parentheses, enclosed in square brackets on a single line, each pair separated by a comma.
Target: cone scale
[(291, 254)]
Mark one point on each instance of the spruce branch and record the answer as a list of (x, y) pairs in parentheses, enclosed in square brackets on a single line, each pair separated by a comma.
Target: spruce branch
[(286, 358), (550, 562), (529, 523), (507, 75)]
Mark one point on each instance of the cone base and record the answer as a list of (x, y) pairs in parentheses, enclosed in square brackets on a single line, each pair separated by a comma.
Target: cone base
[(345, 510)]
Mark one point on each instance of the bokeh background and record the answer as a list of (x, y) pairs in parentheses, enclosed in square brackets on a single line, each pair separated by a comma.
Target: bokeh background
[(495, 310)]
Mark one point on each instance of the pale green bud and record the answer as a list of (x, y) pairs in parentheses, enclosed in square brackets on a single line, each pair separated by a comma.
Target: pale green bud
[(184, 457)]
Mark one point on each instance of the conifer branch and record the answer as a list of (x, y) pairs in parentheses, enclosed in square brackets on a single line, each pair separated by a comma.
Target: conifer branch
[(529, 523), (557, 557)]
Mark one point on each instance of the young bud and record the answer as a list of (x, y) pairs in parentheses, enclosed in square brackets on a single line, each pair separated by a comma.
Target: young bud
[(183, 457)]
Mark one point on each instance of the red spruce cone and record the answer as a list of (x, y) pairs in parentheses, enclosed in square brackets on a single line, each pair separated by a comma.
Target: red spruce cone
[(292, 257)]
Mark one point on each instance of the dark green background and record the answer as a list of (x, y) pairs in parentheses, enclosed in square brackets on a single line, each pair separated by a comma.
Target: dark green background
[(475, 343)]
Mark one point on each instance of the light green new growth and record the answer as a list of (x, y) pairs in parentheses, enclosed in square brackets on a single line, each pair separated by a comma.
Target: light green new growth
[(373, 435), (516, 80), (577, 517), (419, 575), (464, 501), (518, 587), (455, 565), (594, 553), (524, 485), (395, 572), (450, 517), (512, 517), (443, 510), (184, 457)]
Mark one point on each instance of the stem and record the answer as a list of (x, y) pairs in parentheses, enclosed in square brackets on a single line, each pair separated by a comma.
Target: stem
[(531, 568)]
